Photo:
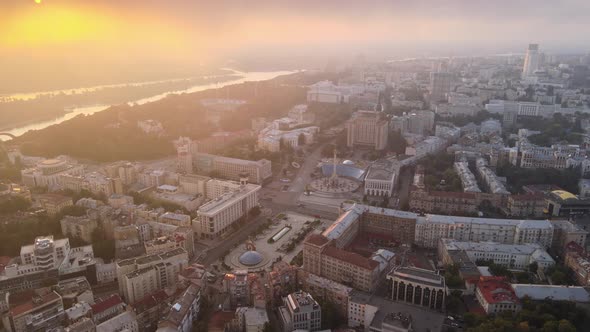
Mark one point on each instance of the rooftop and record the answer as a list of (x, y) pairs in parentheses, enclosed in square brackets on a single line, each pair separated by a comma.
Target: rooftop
[(351, 257), (106, 303), (31, 301), (553, 292), (419, 275), (117, 322), (214, 206), (496, 290)]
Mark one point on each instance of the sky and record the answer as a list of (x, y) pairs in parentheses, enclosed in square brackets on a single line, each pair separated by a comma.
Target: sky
[(118, 36)]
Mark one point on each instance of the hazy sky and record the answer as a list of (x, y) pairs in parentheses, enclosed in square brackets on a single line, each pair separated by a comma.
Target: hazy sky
[(97, 33)]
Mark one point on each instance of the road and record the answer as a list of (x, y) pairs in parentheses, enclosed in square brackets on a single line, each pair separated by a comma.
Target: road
[(272, 197)]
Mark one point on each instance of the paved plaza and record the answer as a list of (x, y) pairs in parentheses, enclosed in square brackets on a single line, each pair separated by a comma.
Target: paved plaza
[(259, 254), (334, 185)]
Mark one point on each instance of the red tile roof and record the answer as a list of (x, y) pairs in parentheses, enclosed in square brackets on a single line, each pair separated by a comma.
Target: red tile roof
[(317, 239), (107, 303), (351, 257), (497, 290)]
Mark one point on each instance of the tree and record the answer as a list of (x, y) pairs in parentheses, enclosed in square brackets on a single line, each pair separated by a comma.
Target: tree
[(396, 142), (533, 267), (565, 326)]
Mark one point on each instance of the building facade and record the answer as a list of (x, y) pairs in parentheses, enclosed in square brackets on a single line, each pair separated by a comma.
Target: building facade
[(418, 286), (368, 129)]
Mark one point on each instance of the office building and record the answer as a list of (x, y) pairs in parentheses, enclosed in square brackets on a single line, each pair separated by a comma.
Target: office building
[(430, 228), (512, 256), (418, 286), (215, 217), (233, 168), (367, 129), (531, 61), (300, 312)]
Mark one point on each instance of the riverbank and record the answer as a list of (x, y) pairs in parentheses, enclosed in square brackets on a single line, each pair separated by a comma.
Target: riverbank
[(19, 116)]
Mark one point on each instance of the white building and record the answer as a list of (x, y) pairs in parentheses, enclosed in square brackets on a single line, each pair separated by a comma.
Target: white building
[(468, 181), (512, 256), (215, 217), (328, 92), (140, 276), (430, 145), (47, 173), (252, 319), (380, 179), (273, 140), (430, 228)]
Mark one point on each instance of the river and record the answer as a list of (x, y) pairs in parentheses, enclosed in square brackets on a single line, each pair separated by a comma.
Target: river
[(87, 110)]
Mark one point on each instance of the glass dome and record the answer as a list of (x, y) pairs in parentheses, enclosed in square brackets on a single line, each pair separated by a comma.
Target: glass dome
[(251, 258)]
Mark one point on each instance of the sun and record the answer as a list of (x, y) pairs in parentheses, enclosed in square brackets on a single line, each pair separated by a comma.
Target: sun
[(38, 1)]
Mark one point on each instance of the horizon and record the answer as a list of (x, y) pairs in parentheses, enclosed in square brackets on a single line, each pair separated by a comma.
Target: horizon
[(108, 41)]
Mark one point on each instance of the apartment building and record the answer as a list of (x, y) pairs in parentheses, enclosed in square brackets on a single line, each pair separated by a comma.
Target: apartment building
[(125, 321), (567, 232), (37, 310), (155, 272), (523, 205), (453, 203), (580, 264), (183, 312), (78, 227), (300, 312)]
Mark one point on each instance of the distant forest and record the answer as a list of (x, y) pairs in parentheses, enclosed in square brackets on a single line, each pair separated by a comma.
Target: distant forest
[(113, 134)]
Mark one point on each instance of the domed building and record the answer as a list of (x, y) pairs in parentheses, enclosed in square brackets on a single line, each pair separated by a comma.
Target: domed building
[(251, 258)]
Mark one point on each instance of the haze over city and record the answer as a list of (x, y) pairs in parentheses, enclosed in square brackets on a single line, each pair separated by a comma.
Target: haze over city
[(47, 41), (290, 166)]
